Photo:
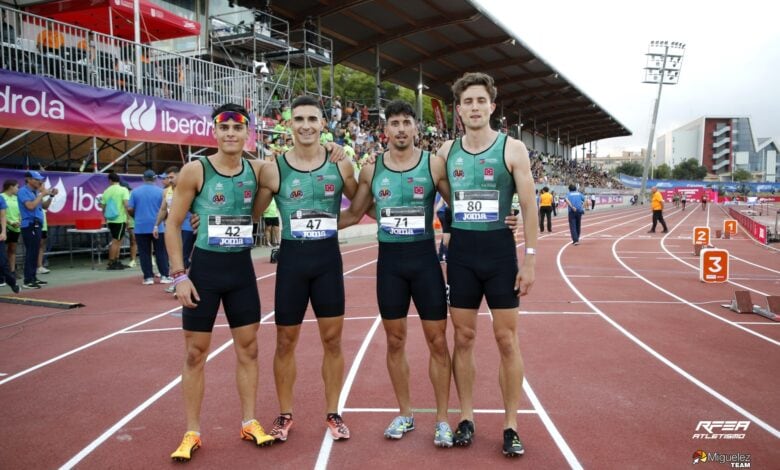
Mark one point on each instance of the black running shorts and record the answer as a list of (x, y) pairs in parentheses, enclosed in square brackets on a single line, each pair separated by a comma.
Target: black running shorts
[(410, 271), (117, 230), (225, 277), (309, 270), (12, 237), (482, 264)]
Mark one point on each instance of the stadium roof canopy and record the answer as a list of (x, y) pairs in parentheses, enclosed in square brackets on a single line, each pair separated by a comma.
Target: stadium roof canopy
[(448, 38)]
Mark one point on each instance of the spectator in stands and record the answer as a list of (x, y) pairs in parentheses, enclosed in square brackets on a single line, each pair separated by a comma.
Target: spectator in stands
[(7, 31), (335, 112), (50, 40)]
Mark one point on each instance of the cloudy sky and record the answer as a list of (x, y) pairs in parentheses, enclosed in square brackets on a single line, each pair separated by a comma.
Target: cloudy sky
[(731, 65)]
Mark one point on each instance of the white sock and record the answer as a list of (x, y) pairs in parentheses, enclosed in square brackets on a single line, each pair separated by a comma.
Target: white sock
[(246, 423)]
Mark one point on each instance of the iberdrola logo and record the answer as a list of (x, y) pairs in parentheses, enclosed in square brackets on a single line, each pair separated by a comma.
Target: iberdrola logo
[(139, 118)]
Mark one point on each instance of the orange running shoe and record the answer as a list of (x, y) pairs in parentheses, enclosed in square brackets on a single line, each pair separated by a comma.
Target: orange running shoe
[(254, 432), (338, 430), (189, 444), (282, 425)]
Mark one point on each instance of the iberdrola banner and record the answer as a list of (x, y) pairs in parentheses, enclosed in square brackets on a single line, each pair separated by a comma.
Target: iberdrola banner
[(50, 105)]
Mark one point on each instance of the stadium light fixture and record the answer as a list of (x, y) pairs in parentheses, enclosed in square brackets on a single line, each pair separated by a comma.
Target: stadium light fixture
[(664, 62)]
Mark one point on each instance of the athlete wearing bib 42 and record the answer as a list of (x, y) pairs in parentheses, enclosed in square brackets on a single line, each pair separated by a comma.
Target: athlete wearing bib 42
[(485, 169), (220, 188), (307, 188)]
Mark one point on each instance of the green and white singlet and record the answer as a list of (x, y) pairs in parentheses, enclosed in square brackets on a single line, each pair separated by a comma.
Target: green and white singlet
[(404, 201), (309, 202), (224, 205), (481, 185)]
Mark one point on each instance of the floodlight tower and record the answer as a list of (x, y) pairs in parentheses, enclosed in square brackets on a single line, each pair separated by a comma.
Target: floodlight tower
[(664, 62)]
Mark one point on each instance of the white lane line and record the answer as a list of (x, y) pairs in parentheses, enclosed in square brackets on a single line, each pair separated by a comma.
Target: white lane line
[(757, 323), (417, 410), (126, 330), (696, 267), (549, 425), (103, 437), (99, 340), (327, 440), (598, 276), (691, 304), (158, 330), (523, 312), (659, 356), (128, 417), (83, 347), (2, 374), (556, 435), (638, 301)]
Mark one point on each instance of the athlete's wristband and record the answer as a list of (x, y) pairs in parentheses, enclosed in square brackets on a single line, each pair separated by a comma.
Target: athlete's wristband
[(179, 280), (530, 251)]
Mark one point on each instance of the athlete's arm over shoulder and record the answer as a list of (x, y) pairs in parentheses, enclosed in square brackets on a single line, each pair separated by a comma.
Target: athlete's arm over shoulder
[(348, 175), (267, 184), (520, 165), (444, 150), (439, 174), (361, 201)]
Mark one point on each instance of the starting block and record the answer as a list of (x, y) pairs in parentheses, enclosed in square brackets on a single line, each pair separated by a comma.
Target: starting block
[(697, 249), (742, 303), (772, 310)]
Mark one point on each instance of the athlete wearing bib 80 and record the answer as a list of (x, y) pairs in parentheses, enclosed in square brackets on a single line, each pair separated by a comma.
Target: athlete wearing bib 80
[(221, 189), (307, 188), (485, 168)]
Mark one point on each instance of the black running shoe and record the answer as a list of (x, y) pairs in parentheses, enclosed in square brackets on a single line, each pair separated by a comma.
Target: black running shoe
[(40, 283), (464, 434), (513, 447)]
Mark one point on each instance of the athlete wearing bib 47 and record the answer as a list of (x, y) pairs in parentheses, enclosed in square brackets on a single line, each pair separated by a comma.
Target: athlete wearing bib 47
[(485, 169), (307, 188)]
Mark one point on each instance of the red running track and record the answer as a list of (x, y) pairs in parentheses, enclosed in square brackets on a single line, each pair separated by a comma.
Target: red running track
[(626, 352)]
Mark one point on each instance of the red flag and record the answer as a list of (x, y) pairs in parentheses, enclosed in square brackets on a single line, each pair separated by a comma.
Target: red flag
[(441, 123)]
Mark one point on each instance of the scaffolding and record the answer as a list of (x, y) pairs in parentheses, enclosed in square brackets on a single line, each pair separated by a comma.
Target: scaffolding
[(281, 59)]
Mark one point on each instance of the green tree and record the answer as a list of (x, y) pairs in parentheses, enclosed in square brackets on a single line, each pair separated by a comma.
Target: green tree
[(741, 175), (354, 85), (689, 170), (629, 168), (662, 172)]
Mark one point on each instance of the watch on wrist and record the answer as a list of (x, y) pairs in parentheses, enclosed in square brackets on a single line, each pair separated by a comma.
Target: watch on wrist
[(530, 251)]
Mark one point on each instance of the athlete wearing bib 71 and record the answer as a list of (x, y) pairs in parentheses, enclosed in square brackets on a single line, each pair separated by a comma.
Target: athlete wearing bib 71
[(485, 168)]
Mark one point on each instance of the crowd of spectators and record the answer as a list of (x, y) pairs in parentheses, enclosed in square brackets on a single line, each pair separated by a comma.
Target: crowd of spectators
[(350, 126), (551, 170)]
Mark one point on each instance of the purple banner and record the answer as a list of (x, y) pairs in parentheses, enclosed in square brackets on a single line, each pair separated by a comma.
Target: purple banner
[(49, 105), (76, 193)]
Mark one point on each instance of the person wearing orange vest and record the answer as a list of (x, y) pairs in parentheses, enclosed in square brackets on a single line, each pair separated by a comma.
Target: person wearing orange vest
[(657, 205), (545, 209)]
